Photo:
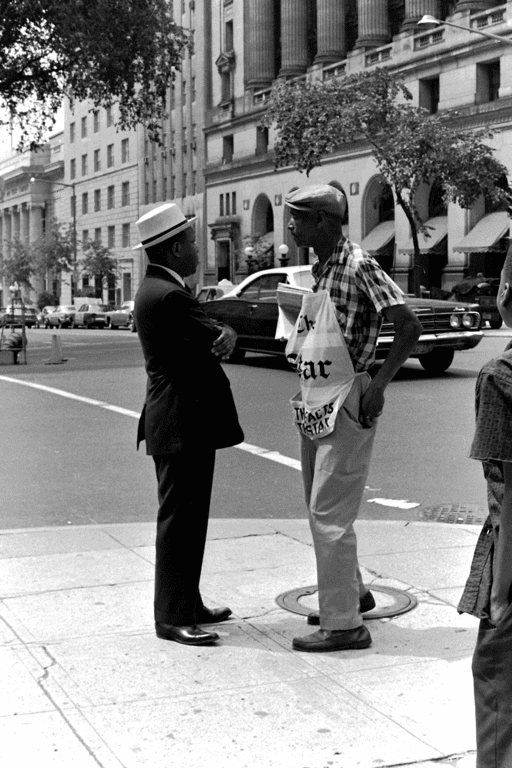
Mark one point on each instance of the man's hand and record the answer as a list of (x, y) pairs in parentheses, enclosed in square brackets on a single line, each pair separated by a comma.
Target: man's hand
[(372, 405), (224, 344)]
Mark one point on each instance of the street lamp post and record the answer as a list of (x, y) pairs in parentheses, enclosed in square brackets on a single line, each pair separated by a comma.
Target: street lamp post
[(427, 19), (283, 254)]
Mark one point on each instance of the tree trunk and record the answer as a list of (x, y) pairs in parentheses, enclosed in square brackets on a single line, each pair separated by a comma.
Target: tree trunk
[(415, 277)]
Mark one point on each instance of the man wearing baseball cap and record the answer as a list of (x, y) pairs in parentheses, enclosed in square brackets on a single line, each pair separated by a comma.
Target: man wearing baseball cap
[(188, 414), (335, 467)]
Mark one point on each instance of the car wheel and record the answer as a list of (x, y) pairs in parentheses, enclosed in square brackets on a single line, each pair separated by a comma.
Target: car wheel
[(437, 361), (495, 324), (47, 324), (237, 355)]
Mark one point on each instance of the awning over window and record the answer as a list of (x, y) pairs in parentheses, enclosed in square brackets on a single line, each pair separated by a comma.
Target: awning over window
[(379, 237), (486, 234), (437, 229)]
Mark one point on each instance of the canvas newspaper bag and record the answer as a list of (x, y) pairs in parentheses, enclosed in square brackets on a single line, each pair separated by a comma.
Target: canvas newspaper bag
[(317, 349)]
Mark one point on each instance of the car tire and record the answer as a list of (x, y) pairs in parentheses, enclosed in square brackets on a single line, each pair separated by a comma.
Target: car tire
[(437, 361), (495, 324), (47, 324), (237, 356)]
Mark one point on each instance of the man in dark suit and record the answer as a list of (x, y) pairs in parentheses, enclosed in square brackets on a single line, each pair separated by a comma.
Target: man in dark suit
[(188, 414)]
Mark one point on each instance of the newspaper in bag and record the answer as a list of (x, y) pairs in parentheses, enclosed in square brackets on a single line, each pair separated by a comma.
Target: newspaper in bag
[(319, 353)]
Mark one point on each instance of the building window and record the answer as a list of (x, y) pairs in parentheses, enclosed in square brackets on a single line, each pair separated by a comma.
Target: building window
[(110, 119), (228, 36), (97, 160), (227, 148), (221, 205), (96, 120), (85, 165), (72, 133), (110, 155), (110, 197), (125, 150), (429, 95), (85, 203), (97, 200), (126, 235), (228, 205), (84, 127), (183, 91), (111, 237), (261, 140), (487, 82), (125, 193), (233, 203), (97, 235), (173, 186), (85, 237), (72, 168), (225, 86)]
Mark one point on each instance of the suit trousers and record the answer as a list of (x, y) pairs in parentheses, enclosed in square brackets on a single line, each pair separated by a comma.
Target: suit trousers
[(184, 491), (334, 471), (492, 680)]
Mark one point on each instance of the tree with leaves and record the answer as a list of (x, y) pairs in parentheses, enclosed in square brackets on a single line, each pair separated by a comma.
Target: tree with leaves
[(104, 51), (17, 264), (54, 252), (98, 263), (410, 146)]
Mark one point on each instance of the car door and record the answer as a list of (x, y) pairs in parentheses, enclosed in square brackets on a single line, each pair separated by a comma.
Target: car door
[(262, 310)]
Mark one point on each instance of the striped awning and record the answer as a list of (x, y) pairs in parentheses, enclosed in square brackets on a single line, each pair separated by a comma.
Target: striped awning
[(485, 235), (437, 229), (379, 237)]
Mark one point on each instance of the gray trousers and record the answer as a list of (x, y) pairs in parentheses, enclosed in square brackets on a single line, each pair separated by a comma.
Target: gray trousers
[(492, 679), (334, 471)]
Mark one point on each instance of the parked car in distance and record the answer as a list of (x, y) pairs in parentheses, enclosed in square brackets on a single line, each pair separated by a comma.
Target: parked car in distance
[(482, 291), (251, 309), (120, 317), (42, 315), (11, 317), (91, 316), (212, 292), (62, 316)]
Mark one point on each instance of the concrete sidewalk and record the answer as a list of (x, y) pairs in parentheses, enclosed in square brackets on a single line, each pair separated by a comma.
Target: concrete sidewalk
[(84, 682)]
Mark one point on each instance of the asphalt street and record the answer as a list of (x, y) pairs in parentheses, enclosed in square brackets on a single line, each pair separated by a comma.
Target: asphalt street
[(68, 439)]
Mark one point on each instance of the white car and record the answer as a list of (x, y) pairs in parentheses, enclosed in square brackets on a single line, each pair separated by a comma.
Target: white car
[(122, 317)]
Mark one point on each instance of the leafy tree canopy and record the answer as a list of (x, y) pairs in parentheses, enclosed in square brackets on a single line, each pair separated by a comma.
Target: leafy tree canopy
[(105, 51), (55, 251), (410, 146), (17, 265), (98, 262)]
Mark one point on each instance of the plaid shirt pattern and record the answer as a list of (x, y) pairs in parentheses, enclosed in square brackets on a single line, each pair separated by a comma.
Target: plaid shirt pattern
[(359, 290), (492, 445)]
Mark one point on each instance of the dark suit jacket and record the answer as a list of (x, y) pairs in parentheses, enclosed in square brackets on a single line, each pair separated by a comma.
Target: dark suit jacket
[(188, 399)]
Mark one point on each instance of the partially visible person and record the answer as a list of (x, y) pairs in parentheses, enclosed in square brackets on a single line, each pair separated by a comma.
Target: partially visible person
[(188, 414), (335, 467), (488, 591)]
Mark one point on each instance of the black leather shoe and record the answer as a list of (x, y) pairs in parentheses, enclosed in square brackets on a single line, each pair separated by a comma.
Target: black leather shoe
[(366, 603), (192, 635), (334, 640), (213, 615)]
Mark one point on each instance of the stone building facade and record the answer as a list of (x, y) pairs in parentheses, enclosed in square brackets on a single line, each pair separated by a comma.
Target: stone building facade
[(255, 42)]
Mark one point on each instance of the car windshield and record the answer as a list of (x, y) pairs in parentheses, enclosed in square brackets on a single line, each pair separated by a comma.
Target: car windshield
[(103, 307), (304, 279)]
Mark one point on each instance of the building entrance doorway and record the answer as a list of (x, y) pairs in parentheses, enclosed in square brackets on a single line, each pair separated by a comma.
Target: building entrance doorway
[(224, 265)]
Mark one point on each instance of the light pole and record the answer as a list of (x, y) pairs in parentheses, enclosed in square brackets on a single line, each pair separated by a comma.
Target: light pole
[(436, 22), (283, 254)]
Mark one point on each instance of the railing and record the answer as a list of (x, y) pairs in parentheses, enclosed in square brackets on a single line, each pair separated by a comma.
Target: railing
[(378, 56), (427, 39), (334, 70), (489, 18)]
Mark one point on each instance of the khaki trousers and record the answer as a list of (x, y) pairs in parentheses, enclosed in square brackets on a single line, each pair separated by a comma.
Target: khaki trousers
[(334, 471)]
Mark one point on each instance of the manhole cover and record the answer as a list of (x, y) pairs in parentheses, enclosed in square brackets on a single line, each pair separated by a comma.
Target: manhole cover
[(390, 602), (463, 514)]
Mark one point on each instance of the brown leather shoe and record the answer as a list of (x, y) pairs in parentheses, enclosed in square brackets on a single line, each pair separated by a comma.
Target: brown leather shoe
[(213, 615), (366, 603), (192, 635), (334, 640)]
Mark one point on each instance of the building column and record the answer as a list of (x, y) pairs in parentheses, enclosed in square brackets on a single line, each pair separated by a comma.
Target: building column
[(330, 24), (415, 9), (24, 224), (373, 23), (474, 5), (294, 37), (261, 43)]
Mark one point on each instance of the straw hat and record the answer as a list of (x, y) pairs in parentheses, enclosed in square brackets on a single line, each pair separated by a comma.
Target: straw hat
[(160, 224)]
